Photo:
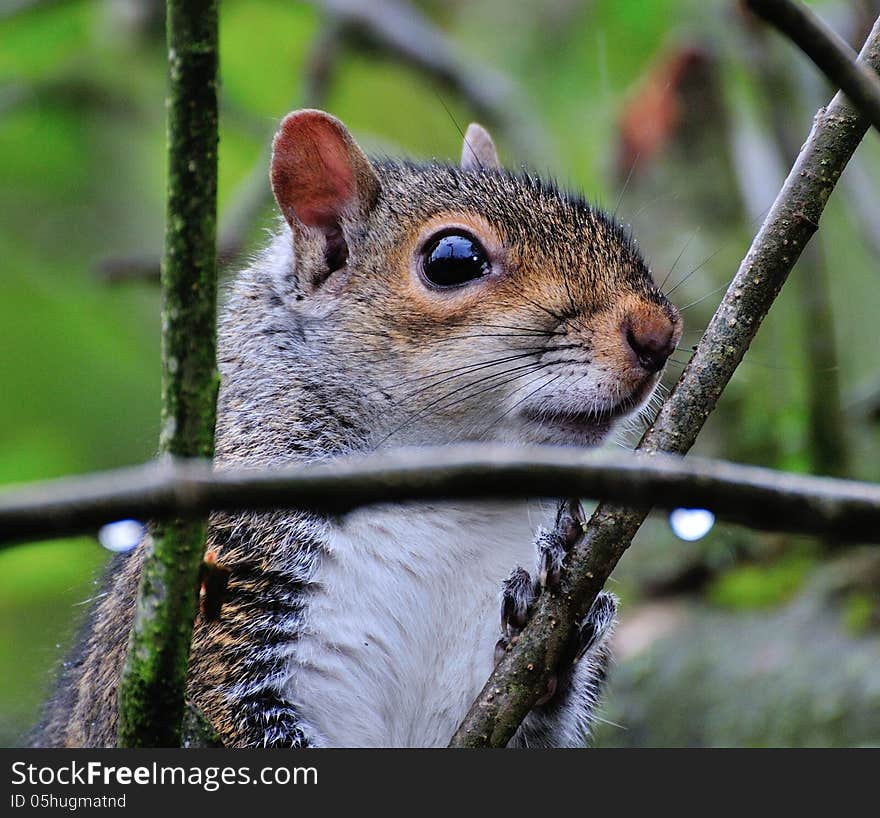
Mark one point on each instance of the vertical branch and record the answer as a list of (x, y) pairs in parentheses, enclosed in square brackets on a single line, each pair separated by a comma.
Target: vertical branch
[(151, 693)]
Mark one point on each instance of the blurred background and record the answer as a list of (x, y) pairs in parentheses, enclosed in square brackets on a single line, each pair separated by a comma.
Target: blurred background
[(680, 115)]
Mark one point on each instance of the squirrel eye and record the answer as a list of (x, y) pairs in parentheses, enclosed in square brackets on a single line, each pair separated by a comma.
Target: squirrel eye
[(454, 259)]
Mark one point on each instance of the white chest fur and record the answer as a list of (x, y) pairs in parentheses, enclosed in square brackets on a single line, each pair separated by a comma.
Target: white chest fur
[(403, 619)]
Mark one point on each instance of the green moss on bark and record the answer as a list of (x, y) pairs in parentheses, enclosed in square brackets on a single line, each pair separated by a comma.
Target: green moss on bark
[(151, 694)]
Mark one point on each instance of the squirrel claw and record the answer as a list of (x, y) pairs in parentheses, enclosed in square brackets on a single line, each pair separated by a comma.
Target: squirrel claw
[(551, 553), (552, 546), (570, 519), (518, 593), (597, 624)]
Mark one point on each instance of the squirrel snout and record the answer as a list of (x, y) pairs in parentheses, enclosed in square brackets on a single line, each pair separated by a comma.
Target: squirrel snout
[(652, 337)]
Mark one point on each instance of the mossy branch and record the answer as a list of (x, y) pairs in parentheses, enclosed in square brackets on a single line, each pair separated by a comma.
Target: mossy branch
[(151, 692), (524, 672)]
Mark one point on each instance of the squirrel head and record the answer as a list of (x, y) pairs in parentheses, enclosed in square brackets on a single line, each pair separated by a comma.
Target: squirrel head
[(431, 303)]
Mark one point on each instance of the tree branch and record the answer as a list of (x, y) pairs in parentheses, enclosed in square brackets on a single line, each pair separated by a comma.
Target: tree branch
[(757, 497), (151, 690), (524, 672), (830, 52)]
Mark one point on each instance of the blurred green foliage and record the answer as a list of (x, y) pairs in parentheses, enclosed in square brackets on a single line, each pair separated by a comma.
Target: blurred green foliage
[(761, 586), (81, 180)]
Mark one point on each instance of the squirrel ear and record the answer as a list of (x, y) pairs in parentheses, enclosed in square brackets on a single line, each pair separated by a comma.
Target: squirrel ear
[(478, 150), (318, 175)]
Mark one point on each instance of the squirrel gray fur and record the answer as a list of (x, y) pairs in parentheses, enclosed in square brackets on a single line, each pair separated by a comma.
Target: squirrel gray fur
[(399, 303)]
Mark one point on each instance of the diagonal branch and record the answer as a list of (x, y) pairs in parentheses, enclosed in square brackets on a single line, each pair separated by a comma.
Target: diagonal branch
[(828, 50), (758, 497), (524, 672)]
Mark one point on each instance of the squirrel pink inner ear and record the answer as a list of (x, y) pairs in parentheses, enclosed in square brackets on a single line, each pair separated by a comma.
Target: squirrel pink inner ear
[(317, 169)]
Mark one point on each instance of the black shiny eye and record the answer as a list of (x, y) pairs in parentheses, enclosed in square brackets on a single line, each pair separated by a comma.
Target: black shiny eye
[(454, 259)]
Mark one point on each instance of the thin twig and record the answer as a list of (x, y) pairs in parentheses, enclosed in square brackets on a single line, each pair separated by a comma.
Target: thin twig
[(524, 672), (829, 51), (749, 495)]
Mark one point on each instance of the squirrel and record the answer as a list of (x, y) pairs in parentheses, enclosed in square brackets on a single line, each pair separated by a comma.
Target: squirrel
[(399, 303)]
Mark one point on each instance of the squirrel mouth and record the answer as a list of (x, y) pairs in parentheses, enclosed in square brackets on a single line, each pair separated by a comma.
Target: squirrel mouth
[(588, 419), (580, 419)]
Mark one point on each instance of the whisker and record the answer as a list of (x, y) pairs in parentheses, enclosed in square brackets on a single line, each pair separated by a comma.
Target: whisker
[(531, 333), (571, 302), (474, 369), (450, 115), (678, 258), (538, 366), (620, 195), (504, 414), (610, 723), (712, 255), (707, 295), (555, 316), (439, 402), (651, 202), (696, 269), (468, 368)]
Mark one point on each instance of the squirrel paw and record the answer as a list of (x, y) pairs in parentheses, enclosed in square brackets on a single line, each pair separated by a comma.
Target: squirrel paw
[(519, 591), (562, 716), (551, 547)]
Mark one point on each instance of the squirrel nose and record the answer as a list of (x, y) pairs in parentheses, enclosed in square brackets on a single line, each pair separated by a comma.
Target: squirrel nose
[(651, 338)]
